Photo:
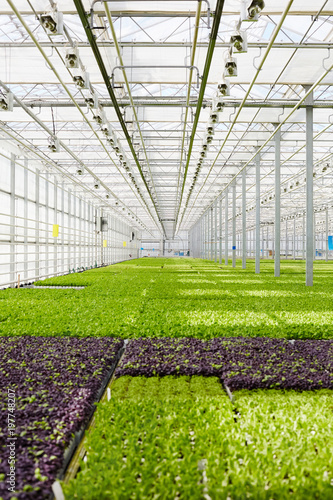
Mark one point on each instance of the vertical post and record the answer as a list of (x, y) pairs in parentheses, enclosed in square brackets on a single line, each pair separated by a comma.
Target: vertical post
[(26, 252), (80, 232), (37, 226), (314, 236), (12, 220), (309, 196), (294, 242), (85, 260), (46, 226), (326, 231), (69, 232), (203, 236), (101, 242), (75, 263), (277, 225), (55, 240), (257, 259), (262, 253), (287, 249), (211, 234), (220, 239), (226, 236), (244, 219), (207, 235), (234, 224), (205, 248), (63, 267), (215, 245), (111, 235), (303, 238)]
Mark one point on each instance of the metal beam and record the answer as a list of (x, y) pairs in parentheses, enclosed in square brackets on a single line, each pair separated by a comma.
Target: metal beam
[(122, 44), (277, 225), (173, 101), (257, 256), (244, 219), (209, 56), (226, 236), (93, 44), (309, 196), (234, 224)]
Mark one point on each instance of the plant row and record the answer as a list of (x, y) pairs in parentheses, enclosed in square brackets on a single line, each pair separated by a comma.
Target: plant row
[(170, 298), (181, 438), (53, 385), (241, 363)]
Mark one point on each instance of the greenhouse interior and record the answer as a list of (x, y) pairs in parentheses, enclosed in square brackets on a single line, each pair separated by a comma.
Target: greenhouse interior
[(166, 269)]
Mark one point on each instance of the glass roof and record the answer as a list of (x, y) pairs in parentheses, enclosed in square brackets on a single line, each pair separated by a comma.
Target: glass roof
[(160, 69)]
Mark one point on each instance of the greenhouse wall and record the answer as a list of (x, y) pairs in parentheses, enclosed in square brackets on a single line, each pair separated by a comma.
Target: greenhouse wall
[(48, 229)]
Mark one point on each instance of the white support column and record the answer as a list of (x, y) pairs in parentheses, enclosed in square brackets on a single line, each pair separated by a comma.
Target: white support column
[(294, 242), (96, 239), (85, 231), (257, 261), (262, 253), (101, 242), (303, 238), (309, 196), (206, 232), (234, 224), (26, 250), (37, 272), (215, 239), (244, 219), (69, 232), (203, 236), (111, 241), (75, 263), (277, 223), (207, 235), (55, 240), (12, 230), (220, 232), (226, 235), (326, 232), (80, 232), (211, 234), (46, 226), (314, 236), (63, 267), (202, 222)]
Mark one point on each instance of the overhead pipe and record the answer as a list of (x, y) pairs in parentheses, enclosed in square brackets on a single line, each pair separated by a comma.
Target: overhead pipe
[(114, 37), (258, 69), (165, 101), (106, 43), (120, 57), (92, 40), (188, 97), (210, 51)]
